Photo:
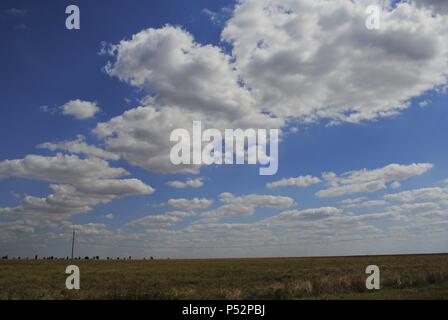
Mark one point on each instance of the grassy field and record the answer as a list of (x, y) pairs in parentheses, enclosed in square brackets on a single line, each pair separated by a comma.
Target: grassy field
[(402, 277)]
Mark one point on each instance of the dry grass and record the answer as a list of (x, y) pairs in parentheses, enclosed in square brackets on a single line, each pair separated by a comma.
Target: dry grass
[(402, 277)]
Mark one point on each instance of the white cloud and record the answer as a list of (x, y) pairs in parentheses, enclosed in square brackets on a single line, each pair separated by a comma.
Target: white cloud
[(16, 12), (160, 221), (419, 195), (302, 181), (365, 181), (80, 109), (423, 104), (412, 207), (323, 62), (169, 64), (395, 185), (114, 187), (218, 18), (255, 200), (190, 204), (141, 136), (313, 213), (68, 200), (245, 205), (185, 81), (60, 168), (362, 203), (213, 16), (189, 183), (78, 186), (109, 216), (79, 146)]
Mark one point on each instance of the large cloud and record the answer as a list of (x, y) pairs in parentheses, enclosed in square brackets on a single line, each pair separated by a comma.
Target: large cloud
[(316, 59), (168, 64), (186, 82), (306, 59)]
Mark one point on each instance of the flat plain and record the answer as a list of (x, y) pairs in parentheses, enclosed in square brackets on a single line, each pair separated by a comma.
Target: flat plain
[(402, 277)]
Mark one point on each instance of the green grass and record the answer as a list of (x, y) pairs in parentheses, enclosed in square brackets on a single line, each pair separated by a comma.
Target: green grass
[(402, 277)]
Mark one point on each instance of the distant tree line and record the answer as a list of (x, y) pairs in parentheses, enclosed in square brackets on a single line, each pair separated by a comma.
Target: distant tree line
[(36, 257)]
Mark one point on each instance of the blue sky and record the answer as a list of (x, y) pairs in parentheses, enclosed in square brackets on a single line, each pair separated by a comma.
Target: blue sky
[(369, 106)]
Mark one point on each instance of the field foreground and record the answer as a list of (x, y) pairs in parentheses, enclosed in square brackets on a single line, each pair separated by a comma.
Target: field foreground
[(402, 277)]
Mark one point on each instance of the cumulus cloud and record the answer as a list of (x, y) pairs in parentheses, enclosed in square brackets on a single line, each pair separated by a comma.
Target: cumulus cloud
[(301, 181), (68, 200), (185, 81), (77, 186), (245, 205), (362, 202), (114, 187), (141, 136), (313, 213), (60, 168), (80, 109), (256, 200), (413, 207), (189, 183), (79, 146), (419, 195), (365, 181), (323, 62), (160, 221), (190, 204), (168, 63)]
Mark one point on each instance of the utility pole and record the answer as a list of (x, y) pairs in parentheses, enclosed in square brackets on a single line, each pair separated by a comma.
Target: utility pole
[(73, 242)]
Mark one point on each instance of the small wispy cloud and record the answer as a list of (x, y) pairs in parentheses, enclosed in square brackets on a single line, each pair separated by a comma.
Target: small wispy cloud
[(16, 12), (218, 18)]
